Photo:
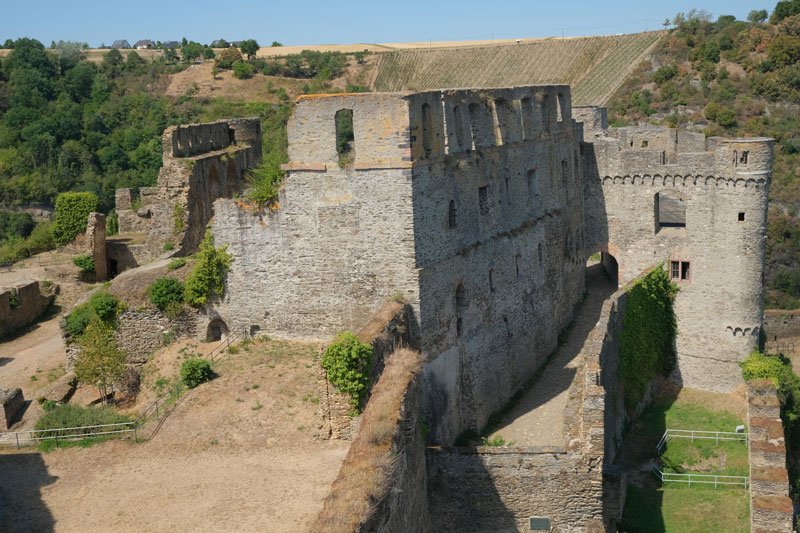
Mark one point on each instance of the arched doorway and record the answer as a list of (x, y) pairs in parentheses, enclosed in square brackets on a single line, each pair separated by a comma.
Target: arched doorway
[(217, 330), (604, 263)]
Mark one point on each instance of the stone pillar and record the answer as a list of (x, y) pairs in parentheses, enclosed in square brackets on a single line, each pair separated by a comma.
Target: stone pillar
[(96, 243)]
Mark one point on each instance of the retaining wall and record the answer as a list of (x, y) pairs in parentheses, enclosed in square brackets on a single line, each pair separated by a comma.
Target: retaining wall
[(21, 304)]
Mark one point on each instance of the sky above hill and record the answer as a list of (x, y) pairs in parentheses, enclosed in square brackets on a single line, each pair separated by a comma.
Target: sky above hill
[(326, 22)]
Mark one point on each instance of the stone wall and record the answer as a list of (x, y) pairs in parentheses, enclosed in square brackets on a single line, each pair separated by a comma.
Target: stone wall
[(782, 332), (21, 304), (201, 163), (140, 332), (771, 509), (13, 402), (467, 202), (381, 484), (723, 186), (392, 327), (499, 489)]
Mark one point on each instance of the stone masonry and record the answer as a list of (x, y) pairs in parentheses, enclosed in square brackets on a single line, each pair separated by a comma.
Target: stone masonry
[(718, 188), (468, 202), (202, 162), (771, 508), (21, 304)]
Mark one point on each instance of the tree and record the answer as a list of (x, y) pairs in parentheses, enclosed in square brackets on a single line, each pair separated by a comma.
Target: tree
[(227, 58), (243, 70), (785, 9), (170, 55), (9, 44), (249, 48), (191, 51), (666, 23), (220, 43), (100, 361), (757, 16), (275, 44)]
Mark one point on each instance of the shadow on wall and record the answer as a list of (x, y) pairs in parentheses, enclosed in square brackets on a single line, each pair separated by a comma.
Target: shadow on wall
[(21, 506)]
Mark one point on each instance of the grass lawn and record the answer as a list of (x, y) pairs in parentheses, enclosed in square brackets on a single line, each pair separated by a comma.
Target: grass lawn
[(677, 507), (686, 509)]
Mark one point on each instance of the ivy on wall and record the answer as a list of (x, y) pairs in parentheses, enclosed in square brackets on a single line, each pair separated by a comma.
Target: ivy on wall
[(647, 342), (72, 212)]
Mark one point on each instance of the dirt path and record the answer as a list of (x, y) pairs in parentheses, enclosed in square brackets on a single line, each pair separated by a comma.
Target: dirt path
[(238, 454), (538, 418)]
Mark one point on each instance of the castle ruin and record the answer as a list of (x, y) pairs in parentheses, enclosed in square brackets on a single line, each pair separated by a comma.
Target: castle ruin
[(481, 207)]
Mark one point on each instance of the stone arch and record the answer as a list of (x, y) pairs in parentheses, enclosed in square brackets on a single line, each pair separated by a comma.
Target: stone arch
[(217, 330), (737, 332), (729, 329)]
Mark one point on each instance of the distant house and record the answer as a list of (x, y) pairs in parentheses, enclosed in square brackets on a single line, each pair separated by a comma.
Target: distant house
[(144, 44), (170, 45), (122, 43)]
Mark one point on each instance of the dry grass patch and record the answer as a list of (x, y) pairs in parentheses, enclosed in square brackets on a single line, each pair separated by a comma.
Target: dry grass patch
[(367, 470)]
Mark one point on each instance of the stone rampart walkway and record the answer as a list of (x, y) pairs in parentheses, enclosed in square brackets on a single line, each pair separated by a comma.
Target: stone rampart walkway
[(538, 419)]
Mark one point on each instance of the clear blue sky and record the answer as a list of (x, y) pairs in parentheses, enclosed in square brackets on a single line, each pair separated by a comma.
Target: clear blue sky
[(331, 21)]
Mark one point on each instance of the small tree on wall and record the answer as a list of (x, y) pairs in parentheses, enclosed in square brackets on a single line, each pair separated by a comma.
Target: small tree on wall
[(100, 361)]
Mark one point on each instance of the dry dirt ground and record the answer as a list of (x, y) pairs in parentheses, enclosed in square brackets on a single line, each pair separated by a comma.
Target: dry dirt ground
[(237, 454)]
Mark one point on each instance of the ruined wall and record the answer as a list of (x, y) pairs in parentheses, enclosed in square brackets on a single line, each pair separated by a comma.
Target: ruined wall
[(21, 304), (381, 484), (782, 332), (140, 332), (492, 489), (201, 163), (771, 508), (96, 244), (723, 189), (475, 193), (12, 402)]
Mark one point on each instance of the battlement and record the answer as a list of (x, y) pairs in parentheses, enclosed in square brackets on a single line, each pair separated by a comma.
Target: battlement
[(194, 139), (403, 129), (656, 151)]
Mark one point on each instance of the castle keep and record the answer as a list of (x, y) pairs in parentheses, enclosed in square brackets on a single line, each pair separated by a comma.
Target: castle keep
[(481, 208)]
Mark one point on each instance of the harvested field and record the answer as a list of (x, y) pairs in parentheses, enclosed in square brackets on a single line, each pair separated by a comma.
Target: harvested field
[(238, 454)]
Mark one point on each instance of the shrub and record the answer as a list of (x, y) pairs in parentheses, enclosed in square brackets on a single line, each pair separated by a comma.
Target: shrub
[(207, 279), (176, 263), (168, 246), (242, 70), (102, 305), (227, 58), (347, 362), (85, 262), (72, 212), (112, 223), (265, 180), (195, 371), (165, 291)]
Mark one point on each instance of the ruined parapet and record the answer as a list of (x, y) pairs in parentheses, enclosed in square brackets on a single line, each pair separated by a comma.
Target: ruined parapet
[(21, 304), (467, 202), (771, 508), (201, 163), (12, 401)]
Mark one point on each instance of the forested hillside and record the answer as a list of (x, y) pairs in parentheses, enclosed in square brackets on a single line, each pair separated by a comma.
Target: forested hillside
[(734, 78)]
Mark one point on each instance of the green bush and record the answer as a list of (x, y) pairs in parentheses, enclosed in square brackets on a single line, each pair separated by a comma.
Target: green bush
[(72, 212), (265, 181), (85, 262), (242, 70), (227, 58), (347, 362), (647, 342), (102, 305), (76, 416), (165, 291), (207, 279), (176, 263), (112, 223), (195, 371)]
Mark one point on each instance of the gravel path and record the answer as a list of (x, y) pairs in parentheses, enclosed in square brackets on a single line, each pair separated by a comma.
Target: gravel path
[(538, 418)]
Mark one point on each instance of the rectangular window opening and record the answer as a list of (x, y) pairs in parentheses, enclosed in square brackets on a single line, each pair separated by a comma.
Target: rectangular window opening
[(492, 288), (483, 200), (684, 270), (675, 270), (517, 261), (508, 192), (680, 270), (670, 210), (741, 217)]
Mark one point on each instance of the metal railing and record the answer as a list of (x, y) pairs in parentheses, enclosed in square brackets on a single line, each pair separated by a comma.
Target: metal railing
[(157, 411), (717, 436), (701, 479), (30, 437)]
